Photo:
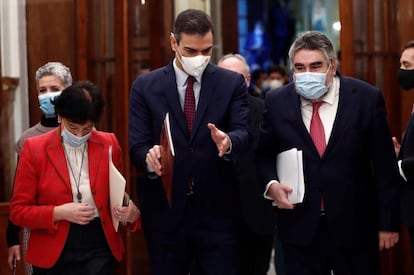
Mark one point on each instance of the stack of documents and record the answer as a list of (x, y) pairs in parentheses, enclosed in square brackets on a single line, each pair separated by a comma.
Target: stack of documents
[(289, 166), (167, 158), (117, 185)]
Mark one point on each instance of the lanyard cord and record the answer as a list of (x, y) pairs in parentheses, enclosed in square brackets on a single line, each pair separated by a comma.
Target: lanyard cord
[(77, 182)]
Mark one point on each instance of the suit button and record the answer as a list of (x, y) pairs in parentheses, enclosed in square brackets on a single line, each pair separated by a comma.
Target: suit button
[(191, 150), (100, 208), (93, 192)]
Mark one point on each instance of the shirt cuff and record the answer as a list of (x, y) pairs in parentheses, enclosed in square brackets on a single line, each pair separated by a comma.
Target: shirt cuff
[(401, 170), (267, 189), (230, 147)]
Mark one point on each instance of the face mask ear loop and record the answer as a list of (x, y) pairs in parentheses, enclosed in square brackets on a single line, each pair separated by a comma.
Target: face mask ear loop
[(326, 74)]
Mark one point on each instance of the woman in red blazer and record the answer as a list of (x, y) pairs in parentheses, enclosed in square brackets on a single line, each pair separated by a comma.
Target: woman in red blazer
[(61, 191)]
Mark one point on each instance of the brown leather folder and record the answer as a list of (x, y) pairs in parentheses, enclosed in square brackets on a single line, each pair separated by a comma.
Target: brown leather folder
[(167, 158)]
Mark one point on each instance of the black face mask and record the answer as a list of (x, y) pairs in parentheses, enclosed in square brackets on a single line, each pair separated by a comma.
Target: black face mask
[(406, 79)]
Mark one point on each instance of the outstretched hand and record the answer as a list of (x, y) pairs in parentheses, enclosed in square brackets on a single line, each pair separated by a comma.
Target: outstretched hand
[(220, 138)]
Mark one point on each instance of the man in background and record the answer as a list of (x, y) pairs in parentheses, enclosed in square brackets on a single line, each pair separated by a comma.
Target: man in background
[(257, 213), (405, 153)]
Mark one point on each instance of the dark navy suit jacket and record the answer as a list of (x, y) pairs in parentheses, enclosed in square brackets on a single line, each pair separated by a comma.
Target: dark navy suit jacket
[(223, 101), (257, 212), (357, 175), (407, 165)]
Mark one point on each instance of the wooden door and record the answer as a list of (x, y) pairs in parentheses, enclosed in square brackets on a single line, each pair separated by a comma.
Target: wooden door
[(106, 42), (370, 48)]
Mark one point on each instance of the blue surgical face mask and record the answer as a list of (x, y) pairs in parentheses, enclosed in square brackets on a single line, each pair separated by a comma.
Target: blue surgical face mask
[(73, 140), (311, 85), (46, 105)]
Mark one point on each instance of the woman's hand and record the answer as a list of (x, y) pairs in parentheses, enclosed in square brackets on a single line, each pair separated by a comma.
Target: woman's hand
[(128, 213), (14, 253), (80, 213)]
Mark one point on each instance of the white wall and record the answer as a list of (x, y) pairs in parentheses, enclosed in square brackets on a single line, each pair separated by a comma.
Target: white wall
[(13, 57), (212, 8), (181, 5), (14, 64)]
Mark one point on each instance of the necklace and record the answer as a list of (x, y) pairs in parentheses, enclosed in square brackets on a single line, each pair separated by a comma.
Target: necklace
[(77, 182)]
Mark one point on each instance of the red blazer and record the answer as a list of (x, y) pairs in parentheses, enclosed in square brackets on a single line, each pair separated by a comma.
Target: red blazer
[(42, 182)]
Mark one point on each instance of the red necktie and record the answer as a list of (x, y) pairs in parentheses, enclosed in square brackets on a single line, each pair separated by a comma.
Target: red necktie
[(189, 114), (318, 136), (189, 104), (316, 129)]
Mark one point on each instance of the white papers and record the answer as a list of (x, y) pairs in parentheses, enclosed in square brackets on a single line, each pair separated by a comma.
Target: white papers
[(289, 166), (117, 185), (168, 130)]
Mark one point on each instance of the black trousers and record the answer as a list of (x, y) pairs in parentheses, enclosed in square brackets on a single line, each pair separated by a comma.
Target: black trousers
[(322, 256), (194, 248), (86, 252), (411, 235), (255, 252)]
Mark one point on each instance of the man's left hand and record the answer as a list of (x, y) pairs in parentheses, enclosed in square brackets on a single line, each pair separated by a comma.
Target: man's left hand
[(220, 138)]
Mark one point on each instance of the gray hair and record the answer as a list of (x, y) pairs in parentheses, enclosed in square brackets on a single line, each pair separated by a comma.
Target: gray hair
[(239, 57), (55, 69), (312, 40)]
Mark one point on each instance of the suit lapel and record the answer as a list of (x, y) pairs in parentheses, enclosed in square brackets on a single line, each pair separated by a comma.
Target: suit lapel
[(207, 89), (296, 114), (95, 156), (343, 114), (57, 157), (171, 94)]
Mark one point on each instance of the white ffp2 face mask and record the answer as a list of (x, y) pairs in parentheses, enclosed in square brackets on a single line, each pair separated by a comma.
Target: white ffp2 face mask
[(194, 65), (275, 83)]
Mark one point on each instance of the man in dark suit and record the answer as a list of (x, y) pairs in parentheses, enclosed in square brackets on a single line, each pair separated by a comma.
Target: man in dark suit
[(257, 213), (350, 208), (199, 233), (406, 152)]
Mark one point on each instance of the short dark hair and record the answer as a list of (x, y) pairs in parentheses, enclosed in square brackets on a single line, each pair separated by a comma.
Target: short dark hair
[(410, 44), (192, 21), (277, 69), (80, 102), (256, 74)]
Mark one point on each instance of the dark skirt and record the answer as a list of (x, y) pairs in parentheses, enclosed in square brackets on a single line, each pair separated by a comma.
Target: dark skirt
[(86, 252)]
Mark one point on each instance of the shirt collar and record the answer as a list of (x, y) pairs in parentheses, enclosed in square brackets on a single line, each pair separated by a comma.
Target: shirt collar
[(182, 76)]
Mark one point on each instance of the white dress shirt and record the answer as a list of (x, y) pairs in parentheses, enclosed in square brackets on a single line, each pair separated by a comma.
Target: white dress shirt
[(327, 113), (181, 78)]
